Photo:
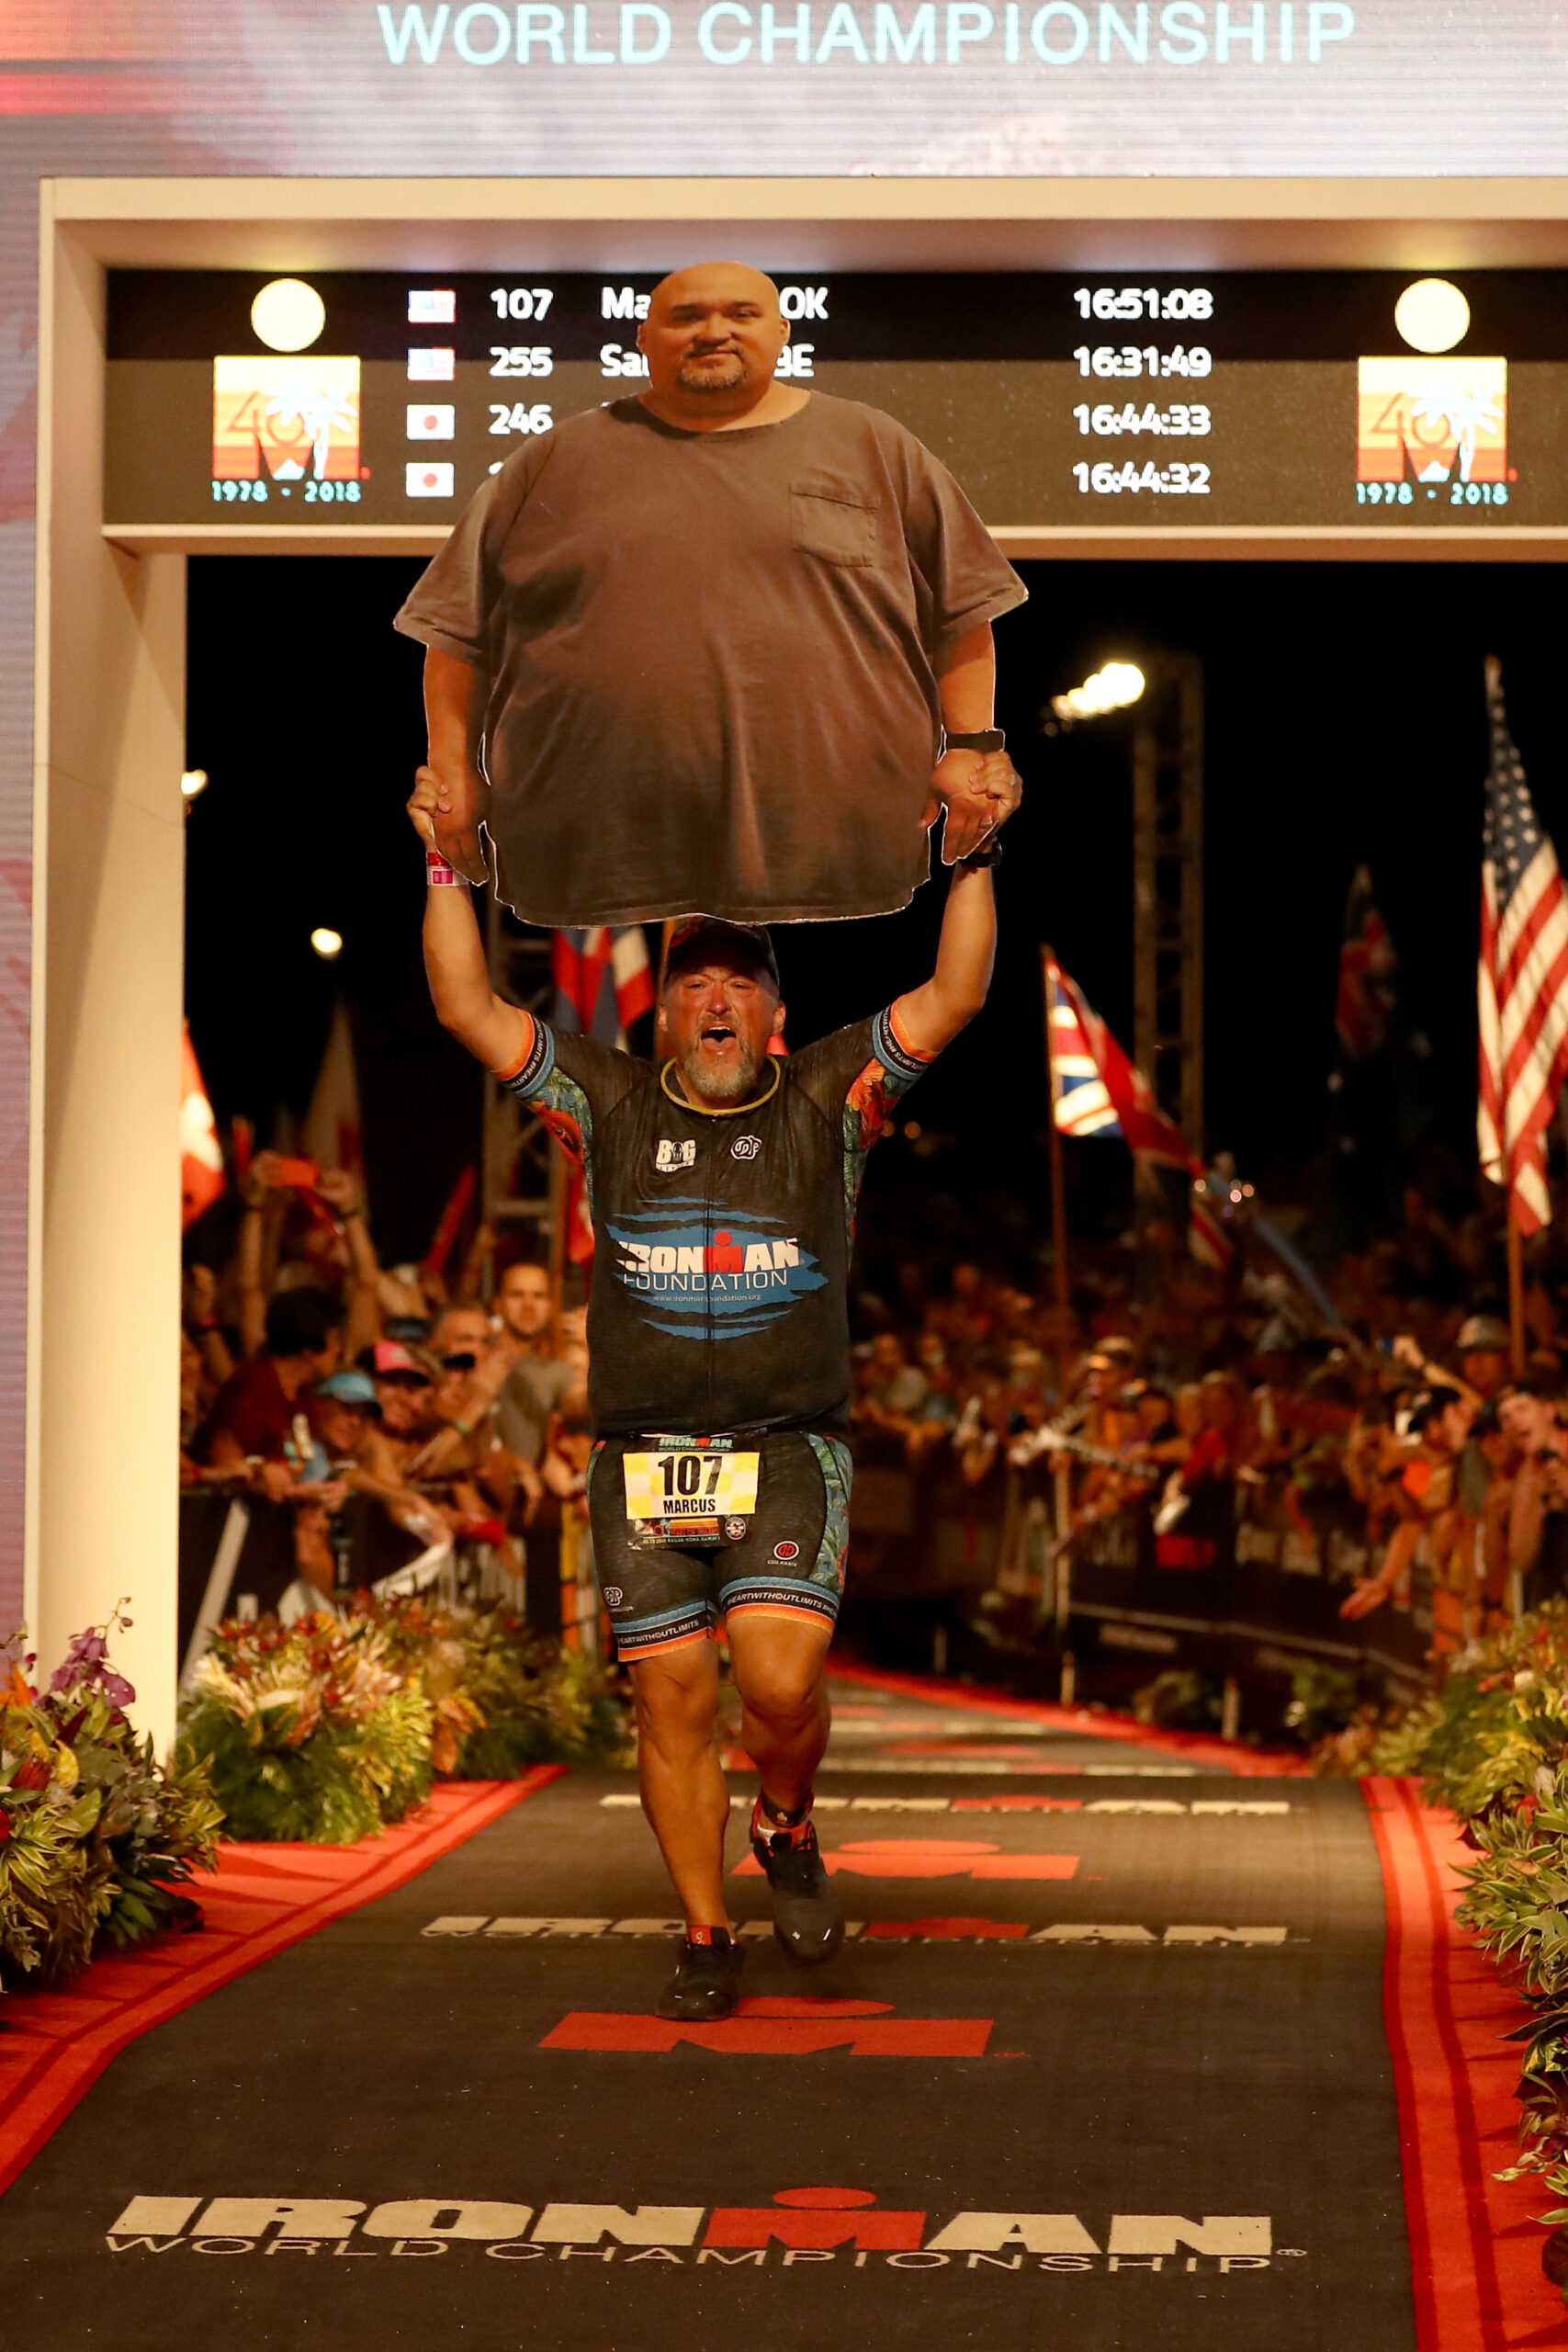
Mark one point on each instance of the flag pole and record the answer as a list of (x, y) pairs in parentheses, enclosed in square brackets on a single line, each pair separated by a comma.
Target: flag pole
[(1062, 1595), (1516, 1292), (1058, 1189)]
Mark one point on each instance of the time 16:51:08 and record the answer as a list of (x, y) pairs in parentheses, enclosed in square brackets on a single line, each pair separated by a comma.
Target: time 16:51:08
[(1144, 302)]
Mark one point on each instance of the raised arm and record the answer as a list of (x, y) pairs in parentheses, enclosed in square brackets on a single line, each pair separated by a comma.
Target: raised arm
[(495, 1033), (929, 1018), (968, 783), (455, 697)]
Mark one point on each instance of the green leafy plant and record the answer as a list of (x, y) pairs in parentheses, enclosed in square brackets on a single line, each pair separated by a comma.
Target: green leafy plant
[(97, 1841), (329, 1729), (1177, 1700), (309, 1732), (1493, 1746)]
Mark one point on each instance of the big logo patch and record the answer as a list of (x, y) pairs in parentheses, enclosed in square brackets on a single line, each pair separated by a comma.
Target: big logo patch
[(728, 1279)]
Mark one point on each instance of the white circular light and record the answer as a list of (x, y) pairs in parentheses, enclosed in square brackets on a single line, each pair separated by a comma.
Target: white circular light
[(288, 315), (1432, 315), (192, 783), (1112, 688), (327, 944)]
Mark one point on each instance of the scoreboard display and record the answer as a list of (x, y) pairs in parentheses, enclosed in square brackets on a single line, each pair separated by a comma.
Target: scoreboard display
[(1285, 400)]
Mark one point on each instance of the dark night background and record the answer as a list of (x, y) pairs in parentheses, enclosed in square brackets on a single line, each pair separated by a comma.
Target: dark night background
[(1346, 723)]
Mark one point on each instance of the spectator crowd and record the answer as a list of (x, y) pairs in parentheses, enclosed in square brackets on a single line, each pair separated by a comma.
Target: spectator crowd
[(1395, 1438), (415, 1427), (414, 1431)]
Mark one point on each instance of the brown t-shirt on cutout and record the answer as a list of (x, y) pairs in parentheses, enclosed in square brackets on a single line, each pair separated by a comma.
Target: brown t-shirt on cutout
[(712, 660)]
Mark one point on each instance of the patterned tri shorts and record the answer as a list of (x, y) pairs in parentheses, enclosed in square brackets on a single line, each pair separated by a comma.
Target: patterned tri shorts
[(792, 1558)]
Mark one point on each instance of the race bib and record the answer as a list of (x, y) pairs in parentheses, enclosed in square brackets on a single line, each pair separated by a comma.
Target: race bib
[(691, 1490)]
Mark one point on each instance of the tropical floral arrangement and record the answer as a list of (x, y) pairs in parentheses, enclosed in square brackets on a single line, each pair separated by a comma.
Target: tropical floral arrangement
[(1493, 1746), (97, 1838), (327, 1729)]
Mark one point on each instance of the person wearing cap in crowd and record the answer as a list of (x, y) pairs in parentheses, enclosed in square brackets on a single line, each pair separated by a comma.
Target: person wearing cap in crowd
[(746, 625), (722, 1181), (1485, 1354)]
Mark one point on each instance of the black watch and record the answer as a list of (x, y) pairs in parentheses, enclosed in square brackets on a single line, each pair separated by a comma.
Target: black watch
[(988, 853), (985, 739)]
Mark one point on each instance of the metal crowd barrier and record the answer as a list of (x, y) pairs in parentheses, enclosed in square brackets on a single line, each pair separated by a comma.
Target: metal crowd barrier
[(941, 1555)]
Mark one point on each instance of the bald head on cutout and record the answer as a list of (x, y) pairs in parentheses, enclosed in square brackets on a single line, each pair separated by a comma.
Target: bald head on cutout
[(712, 340)]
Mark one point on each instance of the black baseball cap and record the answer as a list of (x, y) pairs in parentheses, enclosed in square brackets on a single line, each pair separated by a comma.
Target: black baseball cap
[(699, 939)]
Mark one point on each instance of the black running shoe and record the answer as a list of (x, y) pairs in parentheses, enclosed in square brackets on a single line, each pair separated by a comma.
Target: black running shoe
[(706, 1983), (806, 1917)]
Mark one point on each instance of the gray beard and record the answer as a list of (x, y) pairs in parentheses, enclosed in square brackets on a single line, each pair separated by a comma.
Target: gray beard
[(690, 382), (727, 1086)]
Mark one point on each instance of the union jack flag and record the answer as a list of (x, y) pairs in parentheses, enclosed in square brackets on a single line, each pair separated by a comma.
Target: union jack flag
[(1522, 980), (1096, 1090)]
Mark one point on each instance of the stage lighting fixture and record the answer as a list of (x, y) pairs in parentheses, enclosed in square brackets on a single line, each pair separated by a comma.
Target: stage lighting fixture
[(1112, 688), (328, 945), (193, 784)]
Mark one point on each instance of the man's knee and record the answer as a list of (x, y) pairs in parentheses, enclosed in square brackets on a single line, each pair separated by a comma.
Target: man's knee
[(782, 1684), (676, 1697)]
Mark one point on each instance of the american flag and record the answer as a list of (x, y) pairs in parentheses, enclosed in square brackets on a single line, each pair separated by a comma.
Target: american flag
[(1096, 1090), (1522, 981)]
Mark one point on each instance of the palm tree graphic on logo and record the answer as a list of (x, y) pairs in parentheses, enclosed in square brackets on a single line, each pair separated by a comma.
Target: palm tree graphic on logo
[(1464, 412), (319, 410)]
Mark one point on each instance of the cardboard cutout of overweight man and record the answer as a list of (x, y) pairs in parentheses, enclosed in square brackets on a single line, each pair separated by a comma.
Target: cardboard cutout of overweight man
[(701, 647)]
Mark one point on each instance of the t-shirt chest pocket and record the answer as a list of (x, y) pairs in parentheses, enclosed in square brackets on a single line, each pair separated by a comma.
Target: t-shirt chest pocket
[(833, 527)]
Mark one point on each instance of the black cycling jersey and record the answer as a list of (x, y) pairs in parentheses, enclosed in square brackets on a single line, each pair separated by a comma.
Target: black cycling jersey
[(719, 1297)]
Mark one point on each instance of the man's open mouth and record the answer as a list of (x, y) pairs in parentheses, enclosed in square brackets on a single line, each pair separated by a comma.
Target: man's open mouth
[(717, 1034)]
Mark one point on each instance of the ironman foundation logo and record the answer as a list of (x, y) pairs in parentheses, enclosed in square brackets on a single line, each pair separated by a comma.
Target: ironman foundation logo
[(728, 1280)]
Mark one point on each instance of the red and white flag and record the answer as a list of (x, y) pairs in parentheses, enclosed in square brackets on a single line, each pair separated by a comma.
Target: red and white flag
[(201, 1156), (1522, 981)]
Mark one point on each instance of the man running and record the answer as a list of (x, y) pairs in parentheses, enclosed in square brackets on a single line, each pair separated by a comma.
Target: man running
[(722, 1182)]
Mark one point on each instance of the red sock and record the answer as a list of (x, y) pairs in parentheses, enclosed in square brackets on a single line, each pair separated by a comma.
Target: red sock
[(709, 1936), (796, 1828)]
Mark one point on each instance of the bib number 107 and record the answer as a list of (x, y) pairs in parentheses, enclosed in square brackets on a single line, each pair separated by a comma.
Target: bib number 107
[(685, 1476)]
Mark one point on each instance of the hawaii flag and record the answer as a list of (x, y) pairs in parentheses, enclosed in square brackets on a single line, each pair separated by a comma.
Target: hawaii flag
[(201, 1157), (604, 983)]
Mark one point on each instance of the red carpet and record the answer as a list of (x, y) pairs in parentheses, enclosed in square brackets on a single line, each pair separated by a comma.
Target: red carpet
[(1475, 2253), (55, 2045)]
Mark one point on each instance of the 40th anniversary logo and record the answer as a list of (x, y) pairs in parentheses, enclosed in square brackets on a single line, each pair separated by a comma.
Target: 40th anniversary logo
[(798, 2226)]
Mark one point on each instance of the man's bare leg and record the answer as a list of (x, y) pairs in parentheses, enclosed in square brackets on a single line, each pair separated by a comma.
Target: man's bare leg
[(786, 1719), (778, 1664), (683, 1791)]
